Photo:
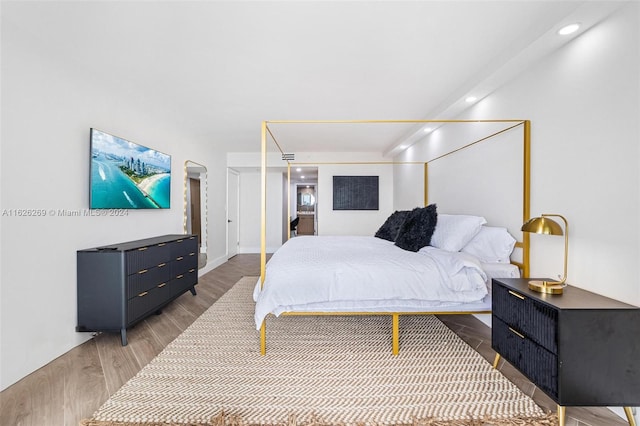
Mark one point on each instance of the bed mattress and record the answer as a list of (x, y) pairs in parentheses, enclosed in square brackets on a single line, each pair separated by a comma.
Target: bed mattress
[(368, 274)]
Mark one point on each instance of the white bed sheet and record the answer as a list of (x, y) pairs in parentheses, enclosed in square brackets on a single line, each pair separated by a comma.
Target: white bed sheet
[(368, 274)]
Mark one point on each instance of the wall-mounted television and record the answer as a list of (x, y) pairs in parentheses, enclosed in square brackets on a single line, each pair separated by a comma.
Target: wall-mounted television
[(125, 175)]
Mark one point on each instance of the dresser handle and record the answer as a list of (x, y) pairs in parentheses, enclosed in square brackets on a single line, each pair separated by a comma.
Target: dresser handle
[(143, 271), (180, 258), (161, 285), (519, 296), (516, 333), (192, 254), (161, 265), (144, 293), (179, 276), (162, 244), (142, 248), (191, 270)]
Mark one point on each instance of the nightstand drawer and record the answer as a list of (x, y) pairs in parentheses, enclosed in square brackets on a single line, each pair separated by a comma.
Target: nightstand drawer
[(529, 317), (534, 361)]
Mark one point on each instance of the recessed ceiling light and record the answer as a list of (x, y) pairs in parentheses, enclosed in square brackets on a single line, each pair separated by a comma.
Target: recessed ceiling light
[(428, 129), (298, 169), (569, 29), (301, 177), (470, 99)]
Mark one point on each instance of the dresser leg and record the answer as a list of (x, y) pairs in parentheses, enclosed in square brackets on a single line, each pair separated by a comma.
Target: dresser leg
[(629, 413), (561, 415), (496, 360)]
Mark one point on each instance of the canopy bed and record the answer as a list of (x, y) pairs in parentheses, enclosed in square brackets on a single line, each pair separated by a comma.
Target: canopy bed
[(424, 262)]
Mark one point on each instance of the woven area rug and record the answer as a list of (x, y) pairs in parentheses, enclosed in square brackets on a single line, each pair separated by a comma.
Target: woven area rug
[(319, 370)]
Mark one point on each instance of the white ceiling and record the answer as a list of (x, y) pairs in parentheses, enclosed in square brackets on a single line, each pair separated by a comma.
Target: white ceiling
[(221, 68)]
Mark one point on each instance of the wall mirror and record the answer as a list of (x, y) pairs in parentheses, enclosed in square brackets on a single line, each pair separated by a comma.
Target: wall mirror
[(306, 198), (195, 206)]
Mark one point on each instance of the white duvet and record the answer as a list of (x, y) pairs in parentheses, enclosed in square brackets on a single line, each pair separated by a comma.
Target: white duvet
[(364, 274)]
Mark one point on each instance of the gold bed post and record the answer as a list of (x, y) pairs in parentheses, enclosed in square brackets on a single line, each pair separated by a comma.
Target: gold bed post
[(526, 192), (263, 231), (289, 199), (426, 184), (395, 333)]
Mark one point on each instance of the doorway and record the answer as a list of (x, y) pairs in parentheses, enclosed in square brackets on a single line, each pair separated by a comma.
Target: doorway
[(306, 201)]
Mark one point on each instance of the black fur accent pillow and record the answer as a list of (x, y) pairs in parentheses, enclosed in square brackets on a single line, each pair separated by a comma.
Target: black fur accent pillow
[(389, 229), (417, 229)]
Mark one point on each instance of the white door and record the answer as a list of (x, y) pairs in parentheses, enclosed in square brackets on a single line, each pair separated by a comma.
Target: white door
[(233, 202)]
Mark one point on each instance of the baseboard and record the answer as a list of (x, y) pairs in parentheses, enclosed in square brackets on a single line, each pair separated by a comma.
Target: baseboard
[(212, 264), (254, 250), (620, 412), (485, 318)]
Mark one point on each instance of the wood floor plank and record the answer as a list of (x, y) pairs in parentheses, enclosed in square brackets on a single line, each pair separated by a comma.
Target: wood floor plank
[(118, 362), (85, 387), (144, 343), (183, 316), (37, 399), (164, 329)]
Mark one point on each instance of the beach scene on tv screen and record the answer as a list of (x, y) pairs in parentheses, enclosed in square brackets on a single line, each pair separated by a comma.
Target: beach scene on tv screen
[(126, 175)]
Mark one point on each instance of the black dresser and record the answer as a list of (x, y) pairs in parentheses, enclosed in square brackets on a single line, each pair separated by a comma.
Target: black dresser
[(580, 348), (121, 284)]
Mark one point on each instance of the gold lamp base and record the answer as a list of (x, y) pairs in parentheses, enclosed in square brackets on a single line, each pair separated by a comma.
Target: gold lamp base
[(548, 287)]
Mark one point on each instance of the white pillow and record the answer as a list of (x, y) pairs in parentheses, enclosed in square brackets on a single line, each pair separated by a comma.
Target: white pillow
[(454, 231), (492, 244)]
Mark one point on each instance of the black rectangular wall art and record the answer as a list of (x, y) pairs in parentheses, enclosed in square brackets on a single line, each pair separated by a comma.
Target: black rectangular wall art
[(355, 193)]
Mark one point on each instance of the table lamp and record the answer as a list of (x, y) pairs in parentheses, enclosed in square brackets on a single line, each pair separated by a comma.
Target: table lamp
[(544, 225)]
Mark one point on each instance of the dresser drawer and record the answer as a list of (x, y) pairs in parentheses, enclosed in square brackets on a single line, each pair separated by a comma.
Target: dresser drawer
[(184, 281), (147, 257), (534, 361), (184, 246), (529, 317), (184, 263), (144, 303), (147, 278)]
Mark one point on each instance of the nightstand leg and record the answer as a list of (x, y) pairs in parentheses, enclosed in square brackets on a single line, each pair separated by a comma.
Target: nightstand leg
[(496, 360), (629, 413), (561, 415)]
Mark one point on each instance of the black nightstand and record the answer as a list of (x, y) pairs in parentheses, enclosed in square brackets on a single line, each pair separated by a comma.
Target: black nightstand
[(580, 348)]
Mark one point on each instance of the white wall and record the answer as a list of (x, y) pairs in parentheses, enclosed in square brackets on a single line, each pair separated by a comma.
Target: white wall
[(47, 110), (353, 222), (250, 211)]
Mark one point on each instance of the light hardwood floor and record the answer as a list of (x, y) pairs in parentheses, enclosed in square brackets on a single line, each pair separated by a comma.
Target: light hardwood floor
[(71, 387)]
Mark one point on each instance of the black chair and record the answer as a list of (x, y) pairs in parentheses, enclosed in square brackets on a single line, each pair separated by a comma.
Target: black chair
[(293, 225)]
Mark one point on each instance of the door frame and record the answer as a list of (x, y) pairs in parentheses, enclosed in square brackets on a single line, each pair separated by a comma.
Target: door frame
[(233, 204)]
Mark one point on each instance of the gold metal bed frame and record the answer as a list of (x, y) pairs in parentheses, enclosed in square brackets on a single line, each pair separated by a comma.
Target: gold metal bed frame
[(395, 316)]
